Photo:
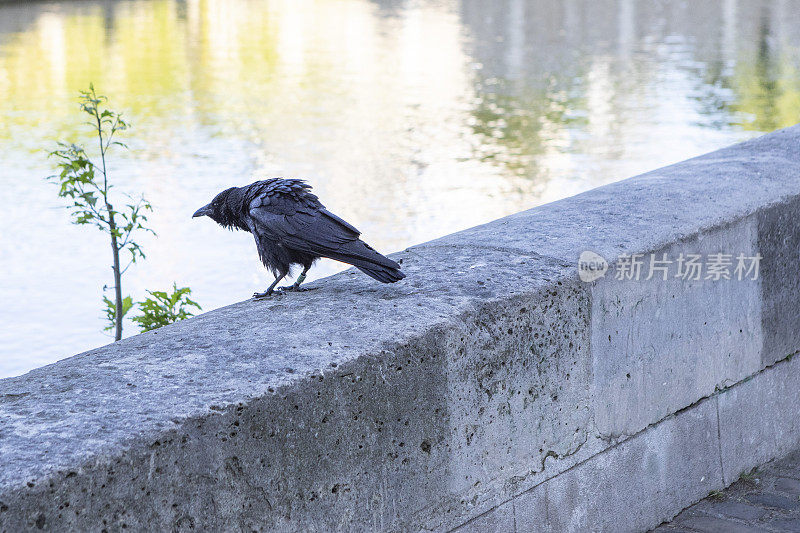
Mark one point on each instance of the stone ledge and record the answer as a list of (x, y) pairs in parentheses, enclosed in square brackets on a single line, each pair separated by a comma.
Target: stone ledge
[(445, 398)]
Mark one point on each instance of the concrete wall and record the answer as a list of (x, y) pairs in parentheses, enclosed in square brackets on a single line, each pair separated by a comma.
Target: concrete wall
[(492, 390)]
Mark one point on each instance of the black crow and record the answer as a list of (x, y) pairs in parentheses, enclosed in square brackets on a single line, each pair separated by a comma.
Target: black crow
[(292, 227)]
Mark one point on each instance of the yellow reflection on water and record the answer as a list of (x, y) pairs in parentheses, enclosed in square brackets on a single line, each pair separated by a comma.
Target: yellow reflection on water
[(767, 86)]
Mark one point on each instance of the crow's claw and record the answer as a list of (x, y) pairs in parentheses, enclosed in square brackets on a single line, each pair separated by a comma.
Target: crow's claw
[(262, 295), (294, 288)]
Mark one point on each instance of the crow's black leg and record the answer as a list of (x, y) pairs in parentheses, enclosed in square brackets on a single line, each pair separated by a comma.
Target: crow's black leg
[(300, 279), (269, 290), (296, 285)]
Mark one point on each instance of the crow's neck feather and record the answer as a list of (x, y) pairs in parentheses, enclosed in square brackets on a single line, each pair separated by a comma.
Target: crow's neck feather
[(231, 213)]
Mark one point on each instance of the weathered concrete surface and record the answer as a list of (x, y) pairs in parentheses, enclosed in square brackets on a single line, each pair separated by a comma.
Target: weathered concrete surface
[(650, 475), (643, 480), (646, 335), (759, 420), (490, 389)]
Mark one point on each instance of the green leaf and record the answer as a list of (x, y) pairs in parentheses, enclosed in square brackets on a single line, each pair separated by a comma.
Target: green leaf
[(111, 311), (163, 308)]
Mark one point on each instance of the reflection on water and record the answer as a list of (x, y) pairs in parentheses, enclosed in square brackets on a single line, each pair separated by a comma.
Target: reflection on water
[(411, 119)]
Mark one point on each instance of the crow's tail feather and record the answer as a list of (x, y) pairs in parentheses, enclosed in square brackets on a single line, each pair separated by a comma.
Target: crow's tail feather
[(383, 274), (367, 260)]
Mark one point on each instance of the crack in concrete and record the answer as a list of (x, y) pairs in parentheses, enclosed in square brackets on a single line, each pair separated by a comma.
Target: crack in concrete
[(517, 479), (611, 437), (719, 441)]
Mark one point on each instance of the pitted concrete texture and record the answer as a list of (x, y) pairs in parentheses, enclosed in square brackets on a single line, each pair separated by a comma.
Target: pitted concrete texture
[(766, 499), (455, 397)]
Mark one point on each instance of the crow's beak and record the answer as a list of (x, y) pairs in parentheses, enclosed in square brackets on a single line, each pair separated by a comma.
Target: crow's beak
[(203, 211)]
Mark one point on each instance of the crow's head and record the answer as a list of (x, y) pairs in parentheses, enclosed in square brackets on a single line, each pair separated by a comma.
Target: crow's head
[(222, 209)]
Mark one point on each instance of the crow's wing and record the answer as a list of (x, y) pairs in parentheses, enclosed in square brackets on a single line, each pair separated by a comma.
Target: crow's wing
[(303, 224), (306, 231)]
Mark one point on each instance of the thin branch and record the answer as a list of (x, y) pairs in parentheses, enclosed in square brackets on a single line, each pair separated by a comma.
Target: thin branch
[(127, 266), (82, 191), (113, 130)]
